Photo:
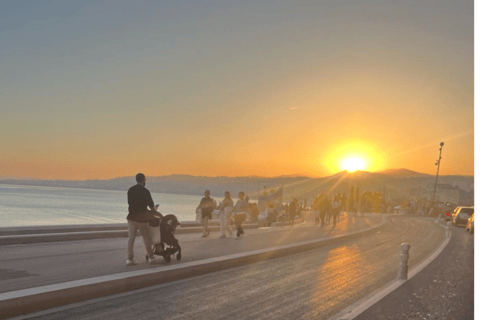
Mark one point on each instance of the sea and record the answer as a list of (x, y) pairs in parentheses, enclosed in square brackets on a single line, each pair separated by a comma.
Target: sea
[(42, 206)]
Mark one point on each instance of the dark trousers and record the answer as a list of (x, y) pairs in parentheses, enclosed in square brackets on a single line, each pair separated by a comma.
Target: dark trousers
[(335, 216), (239, 219), (322, 218)]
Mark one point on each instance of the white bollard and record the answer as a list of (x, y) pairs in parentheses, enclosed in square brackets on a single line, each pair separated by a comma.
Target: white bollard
[(403, 269), (438, 220)]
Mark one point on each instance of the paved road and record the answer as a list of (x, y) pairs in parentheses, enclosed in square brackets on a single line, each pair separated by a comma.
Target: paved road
[(32, 265), (310, 285), (443, 290)]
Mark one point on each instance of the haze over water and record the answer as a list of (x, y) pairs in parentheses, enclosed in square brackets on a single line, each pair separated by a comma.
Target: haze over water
[(29, 206)]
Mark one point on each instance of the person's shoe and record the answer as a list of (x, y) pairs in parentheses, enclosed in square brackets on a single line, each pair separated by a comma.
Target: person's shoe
[(151, 260), (221, 237), (131, 262), (204, 235)]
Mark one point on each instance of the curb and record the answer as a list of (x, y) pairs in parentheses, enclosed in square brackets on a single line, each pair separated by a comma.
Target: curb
[(21, 302), (89, 235), (354, 310), (281, 224), (25, 230), (22, 235), (16, 231)]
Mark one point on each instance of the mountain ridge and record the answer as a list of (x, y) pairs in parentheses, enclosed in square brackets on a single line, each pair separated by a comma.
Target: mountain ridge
[(396, 183), (398, 172)]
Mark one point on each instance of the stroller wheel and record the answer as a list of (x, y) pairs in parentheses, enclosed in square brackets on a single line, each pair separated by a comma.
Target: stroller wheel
[(179, 256), (167, 258), (146, 257)]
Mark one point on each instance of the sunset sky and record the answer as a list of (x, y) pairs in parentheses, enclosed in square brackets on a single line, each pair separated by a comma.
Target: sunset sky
[(102, 89)]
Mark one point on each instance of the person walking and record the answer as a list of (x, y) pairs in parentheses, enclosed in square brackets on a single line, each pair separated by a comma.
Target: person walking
[(326, 208), (328, 215), (240, 213), (336, 210), (226, 208), (317, 217), (293, 210), (206, 206), (139, 198), (317, 209)]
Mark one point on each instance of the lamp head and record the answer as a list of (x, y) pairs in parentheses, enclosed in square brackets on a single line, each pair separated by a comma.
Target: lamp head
[(441, 144)]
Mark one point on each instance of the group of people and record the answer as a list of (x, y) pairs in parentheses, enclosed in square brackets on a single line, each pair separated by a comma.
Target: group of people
[(275, 211), (142, 210), (227, 211), (326, 210)]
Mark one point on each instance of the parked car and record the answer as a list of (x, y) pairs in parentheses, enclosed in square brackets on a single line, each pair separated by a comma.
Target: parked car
[(469, 226), (461, 215)]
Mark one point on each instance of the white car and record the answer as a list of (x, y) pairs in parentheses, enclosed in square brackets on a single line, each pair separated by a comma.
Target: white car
[(461, 215)]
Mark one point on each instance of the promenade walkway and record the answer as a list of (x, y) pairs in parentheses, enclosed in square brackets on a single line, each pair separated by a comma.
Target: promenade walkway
[(314, 284), (39, 264)]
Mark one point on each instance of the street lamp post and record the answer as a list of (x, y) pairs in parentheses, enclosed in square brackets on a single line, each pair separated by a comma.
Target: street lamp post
[(438, 169)]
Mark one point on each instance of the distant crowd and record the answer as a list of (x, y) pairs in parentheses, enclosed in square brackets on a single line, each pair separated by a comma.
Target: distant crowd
[(142, 211), (238, 213)]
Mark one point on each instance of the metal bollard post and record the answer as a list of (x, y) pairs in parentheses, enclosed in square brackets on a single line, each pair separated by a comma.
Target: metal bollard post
[(447, 229), (403, 270), (438, 220)]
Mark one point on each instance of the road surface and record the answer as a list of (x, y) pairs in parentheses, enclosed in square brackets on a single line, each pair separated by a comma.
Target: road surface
[(310, 285)]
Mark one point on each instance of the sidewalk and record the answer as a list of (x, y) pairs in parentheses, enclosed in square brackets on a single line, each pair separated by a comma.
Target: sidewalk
[(39, 276), (38, 264), (313, 284), (443, 290)]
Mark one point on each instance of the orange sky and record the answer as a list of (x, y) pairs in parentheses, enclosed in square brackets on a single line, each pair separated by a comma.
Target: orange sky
[(254, 89)]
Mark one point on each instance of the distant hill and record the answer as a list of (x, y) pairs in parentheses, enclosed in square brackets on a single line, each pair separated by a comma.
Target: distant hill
[(403, 173), (394, 182)]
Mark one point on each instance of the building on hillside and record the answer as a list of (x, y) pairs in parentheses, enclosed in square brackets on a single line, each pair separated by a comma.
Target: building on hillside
[(444, 193), (416, 193), (466, 198), (464, 185)]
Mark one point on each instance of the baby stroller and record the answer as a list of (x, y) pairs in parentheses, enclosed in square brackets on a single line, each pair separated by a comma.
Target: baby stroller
[(162, 235)]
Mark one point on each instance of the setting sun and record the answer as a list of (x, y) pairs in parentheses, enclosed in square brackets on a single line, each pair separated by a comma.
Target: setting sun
[(353, 164), (352, 155)]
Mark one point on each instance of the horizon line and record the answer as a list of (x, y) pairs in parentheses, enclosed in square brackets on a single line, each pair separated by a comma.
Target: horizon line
[(222, 176)]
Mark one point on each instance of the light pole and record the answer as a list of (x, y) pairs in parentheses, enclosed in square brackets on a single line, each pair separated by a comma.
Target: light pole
[(438, 169)]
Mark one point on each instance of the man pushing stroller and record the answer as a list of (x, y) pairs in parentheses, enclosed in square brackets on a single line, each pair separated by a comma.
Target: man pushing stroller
[(139, 198)]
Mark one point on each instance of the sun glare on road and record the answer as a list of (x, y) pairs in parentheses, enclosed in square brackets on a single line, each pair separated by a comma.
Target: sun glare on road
[(353, 164)]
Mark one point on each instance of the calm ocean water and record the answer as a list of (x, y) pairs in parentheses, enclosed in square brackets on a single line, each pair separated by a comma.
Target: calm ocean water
[(35, 206)]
